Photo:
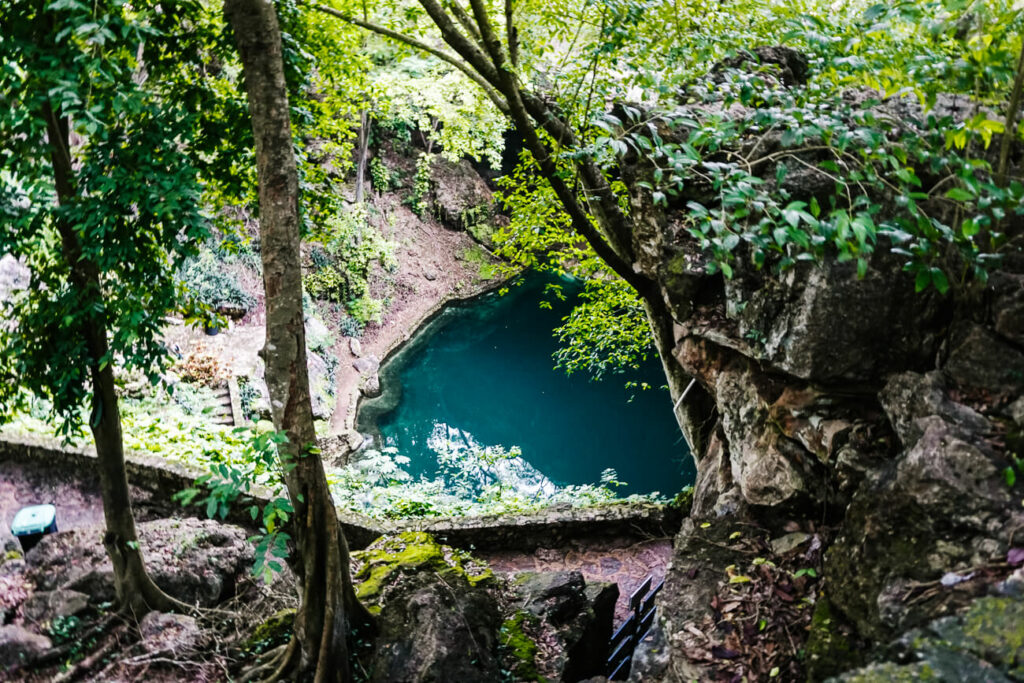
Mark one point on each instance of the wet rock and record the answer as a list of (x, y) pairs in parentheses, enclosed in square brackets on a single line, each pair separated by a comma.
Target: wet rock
[(45, 605), (175, 633), (196, 561), (20, 647)]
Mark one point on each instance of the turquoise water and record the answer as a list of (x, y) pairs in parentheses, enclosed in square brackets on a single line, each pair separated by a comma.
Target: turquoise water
[(481, 374)]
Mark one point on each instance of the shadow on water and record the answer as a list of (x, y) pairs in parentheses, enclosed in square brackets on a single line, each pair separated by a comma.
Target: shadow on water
[(481, 374)]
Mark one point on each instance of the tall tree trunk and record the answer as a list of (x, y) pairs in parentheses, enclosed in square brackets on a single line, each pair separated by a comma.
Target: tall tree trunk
[(134, 588), (318, 648), (364, 151)]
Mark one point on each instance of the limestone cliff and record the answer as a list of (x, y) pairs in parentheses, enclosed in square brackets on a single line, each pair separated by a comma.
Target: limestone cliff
[(876, 423)]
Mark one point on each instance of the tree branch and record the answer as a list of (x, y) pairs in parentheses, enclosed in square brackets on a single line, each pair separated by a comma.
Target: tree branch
[(512, 34), (1010, 129), (467, 22), (490, 39), (466, 69)]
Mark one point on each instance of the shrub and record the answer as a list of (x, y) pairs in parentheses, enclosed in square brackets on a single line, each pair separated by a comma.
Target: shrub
[(213, 282)]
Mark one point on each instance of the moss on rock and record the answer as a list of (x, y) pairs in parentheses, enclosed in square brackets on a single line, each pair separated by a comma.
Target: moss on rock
[(829, 650), (385, 561), (518, 649), (273, 632)]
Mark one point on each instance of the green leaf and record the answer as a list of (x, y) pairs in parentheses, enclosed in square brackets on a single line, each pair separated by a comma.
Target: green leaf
[(922, 279), (959, 194), (939, 280), (1010, 476)]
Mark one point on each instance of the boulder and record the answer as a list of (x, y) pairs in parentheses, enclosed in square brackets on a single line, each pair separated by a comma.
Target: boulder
[(365, 365), (369, 385), (355, 346), (436, 620), (579, 616), (20, 647), (910, 396), (980, 360), (172, 633), (369, 379), (42, 606), (196, 561), (460, 197), (943, 471), (336, 450)]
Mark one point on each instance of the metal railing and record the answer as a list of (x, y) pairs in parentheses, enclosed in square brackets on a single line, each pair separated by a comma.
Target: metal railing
[(624, 641)]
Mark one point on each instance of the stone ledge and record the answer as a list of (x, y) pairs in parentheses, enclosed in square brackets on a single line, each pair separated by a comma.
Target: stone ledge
[(523, 531)]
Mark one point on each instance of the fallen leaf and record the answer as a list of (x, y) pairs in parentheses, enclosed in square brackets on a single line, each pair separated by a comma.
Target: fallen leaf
[(724, 653)]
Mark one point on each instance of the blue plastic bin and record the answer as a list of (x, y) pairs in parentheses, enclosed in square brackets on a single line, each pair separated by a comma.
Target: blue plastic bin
[(32, 523)]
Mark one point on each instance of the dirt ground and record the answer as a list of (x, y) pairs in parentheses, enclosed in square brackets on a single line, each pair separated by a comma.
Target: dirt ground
[(433, 268)]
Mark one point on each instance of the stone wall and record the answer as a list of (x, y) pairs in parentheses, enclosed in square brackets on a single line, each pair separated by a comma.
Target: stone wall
[(155, 480)]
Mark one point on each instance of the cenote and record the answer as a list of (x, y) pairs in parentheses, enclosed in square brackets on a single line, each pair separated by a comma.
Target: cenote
[(481, 374)]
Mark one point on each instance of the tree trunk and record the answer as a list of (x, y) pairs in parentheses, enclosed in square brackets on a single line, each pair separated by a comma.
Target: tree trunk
[(134, 588), (364, 151), (318, 648)]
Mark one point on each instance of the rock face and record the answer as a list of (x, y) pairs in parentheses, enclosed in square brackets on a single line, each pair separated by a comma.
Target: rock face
[(877, 421), (196, 561), (443, 616), (460, 198), (579, 615), (436, 619)]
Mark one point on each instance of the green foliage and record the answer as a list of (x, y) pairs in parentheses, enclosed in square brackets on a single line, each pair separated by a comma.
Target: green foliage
[(258, 465), (213, 279), (435, 99), (352, 246), (133, 207), (422, 184), (468, 483), (383, 179)]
